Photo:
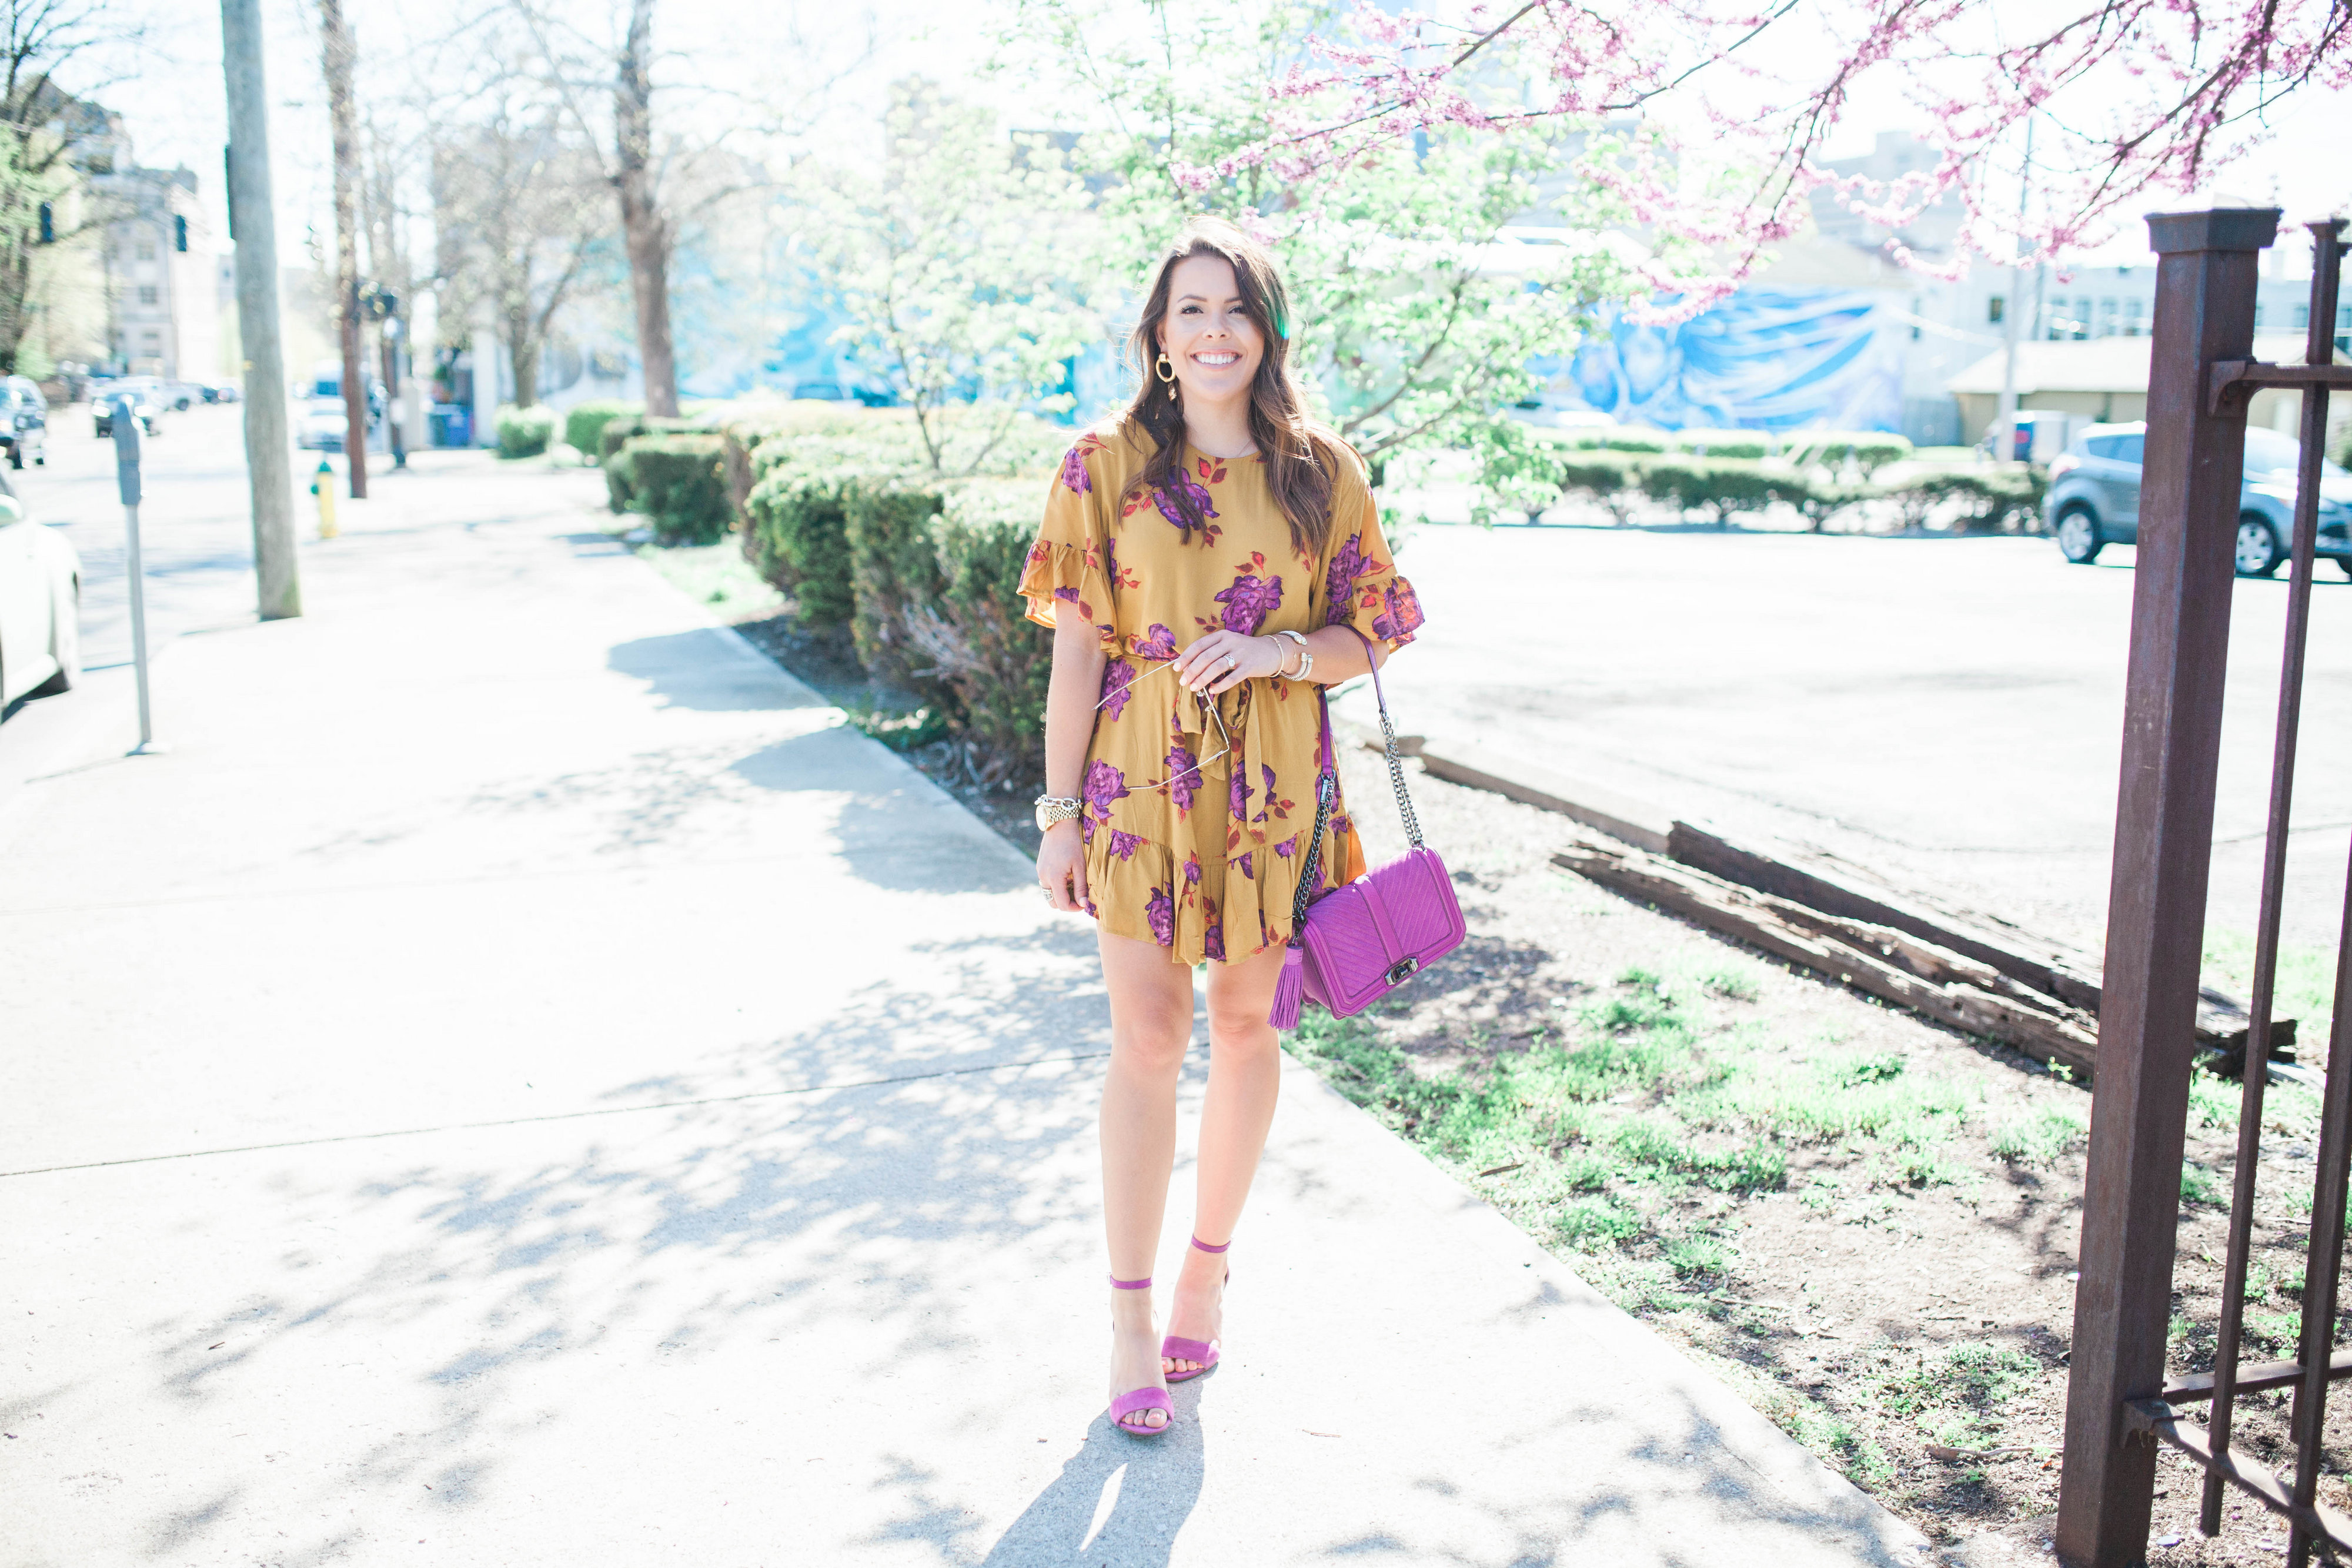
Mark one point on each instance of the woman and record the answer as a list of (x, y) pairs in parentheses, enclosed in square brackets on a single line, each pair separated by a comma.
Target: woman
[(1208, 561)]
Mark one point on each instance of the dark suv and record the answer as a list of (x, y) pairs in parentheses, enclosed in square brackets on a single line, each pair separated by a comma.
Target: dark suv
[(2093, 498)]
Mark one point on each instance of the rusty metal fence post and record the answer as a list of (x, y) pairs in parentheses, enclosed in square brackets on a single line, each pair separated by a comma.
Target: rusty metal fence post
[(2205, 286)]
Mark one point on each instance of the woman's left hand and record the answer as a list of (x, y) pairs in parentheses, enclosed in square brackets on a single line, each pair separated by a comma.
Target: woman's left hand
[(1203, 667)]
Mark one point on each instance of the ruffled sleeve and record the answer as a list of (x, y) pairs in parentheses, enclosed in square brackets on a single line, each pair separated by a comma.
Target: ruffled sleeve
[(1360, 584), (1069, 564)]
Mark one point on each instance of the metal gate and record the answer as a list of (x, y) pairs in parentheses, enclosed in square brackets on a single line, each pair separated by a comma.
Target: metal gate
[(2119, 1405)]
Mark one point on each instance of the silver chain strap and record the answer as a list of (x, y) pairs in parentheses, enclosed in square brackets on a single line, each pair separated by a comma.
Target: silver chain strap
[(1326, 786), (1396, 770)]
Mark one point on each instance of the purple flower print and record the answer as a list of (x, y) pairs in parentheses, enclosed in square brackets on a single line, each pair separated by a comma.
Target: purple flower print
[(1269, 774), (1193, 870), (1183, 777), (1119, 675), (1287, 848), (1192, 490), (1340, 582), (1160, 643), (1251, 599), (1244, 864), (1160, 910), (1401, 617), (1104, 785), (1237, 801), (1124, 845), (1212, 940), (1070, 595), (1074, 472)]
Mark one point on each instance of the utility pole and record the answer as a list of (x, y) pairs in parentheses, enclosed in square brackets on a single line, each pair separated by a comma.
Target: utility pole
[(338, 52), (253, 229)]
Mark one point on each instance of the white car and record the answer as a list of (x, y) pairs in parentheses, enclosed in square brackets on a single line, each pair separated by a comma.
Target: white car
[(40, 607)]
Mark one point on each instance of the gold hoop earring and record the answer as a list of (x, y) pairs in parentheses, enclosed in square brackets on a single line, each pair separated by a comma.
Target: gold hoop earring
[(1166, 369)]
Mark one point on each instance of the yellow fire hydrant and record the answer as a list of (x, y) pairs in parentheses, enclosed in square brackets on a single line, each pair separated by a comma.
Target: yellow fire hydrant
[(323, 485)]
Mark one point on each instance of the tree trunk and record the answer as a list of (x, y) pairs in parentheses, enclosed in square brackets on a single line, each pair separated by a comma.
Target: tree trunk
[(339, 52), (523, 345), (647, 236)]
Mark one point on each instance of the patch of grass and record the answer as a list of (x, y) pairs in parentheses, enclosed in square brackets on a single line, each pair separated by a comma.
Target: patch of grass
[(899, 731), (1596, 1219), (1696, 1256), (2038, 1137), (1822, 1430), (1734, 982), (2213, 1101), (2281, 1331), (2306, 989), (1956, 1394), (714, 575), (2199, 1185)]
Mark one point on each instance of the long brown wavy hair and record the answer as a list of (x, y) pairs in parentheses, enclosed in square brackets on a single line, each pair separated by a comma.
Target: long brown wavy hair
[(1300, 459)]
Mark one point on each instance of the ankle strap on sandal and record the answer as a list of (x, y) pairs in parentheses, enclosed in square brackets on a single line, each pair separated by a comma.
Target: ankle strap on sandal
[(1206, 1248), (1118, 1284)]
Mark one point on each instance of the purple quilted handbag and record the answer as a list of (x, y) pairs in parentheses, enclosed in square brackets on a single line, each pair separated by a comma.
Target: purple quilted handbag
[(1359, 942)]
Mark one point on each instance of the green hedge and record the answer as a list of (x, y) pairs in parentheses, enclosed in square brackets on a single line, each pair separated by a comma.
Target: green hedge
[(524, 432), (894, 566), (796, 517), (611, 444), (1724, 487), (1994, 499), (919, 573), (1868, 449), (680, 483), (995, 659), (585, 423)]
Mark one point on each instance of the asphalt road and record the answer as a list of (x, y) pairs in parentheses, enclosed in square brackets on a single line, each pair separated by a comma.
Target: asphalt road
[(195, 533), (1945, 712)]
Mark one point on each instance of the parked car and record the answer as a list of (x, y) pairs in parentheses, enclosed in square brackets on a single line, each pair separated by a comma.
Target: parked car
[(2093, 498), (40, 607), (24, 421), (148, 403), (322, 423)]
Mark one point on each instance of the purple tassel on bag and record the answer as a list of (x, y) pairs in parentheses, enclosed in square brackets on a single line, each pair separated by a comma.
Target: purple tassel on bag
[(1289, 991)]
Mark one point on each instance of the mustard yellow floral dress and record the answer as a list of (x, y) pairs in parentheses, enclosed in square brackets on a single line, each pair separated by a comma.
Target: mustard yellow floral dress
[(1195, 833)]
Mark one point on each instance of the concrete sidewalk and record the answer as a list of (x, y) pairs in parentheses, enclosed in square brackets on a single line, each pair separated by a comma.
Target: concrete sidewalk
[(522, 1084)]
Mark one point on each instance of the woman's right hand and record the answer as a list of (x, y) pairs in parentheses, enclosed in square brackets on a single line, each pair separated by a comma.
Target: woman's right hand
[(1062, 867)]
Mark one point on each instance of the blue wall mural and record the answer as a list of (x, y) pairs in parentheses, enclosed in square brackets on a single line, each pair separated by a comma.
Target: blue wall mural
[(1764, 359)]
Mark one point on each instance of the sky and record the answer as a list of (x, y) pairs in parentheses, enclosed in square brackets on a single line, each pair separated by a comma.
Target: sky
[(756, 56)]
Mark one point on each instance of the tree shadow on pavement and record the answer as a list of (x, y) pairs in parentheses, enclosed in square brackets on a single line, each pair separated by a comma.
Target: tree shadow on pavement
[(709, 670), (505, 1274)]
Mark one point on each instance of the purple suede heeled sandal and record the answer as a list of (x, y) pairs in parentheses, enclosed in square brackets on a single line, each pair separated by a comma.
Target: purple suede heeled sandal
[(1176, 1347), (1136, 1400)]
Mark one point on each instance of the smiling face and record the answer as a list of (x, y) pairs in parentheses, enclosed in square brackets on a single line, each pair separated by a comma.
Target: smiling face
[(1213, 343)]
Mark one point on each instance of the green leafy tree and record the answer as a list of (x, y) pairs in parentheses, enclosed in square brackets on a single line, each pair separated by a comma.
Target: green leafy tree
[(1416, 318), (953, 265)]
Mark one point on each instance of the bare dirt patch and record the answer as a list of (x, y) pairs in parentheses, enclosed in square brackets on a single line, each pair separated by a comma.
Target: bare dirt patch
[(1864, 1221)]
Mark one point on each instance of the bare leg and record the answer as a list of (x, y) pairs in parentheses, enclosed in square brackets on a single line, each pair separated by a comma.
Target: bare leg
[(1150, 1025), (1244, 1077)]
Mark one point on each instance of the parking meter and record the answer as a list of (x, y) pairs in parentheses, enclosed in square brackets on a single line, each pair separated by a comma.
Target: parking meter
[(126, 447), (126, 476)]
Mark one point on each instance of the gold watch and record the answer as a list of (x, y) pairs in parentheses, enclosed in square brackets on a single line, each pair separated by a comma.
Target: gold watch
[(1053, 809)]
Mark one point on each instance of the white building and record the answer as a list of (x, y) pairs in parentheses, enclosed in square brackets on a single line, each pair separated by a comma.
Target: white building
[(162, 278)]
